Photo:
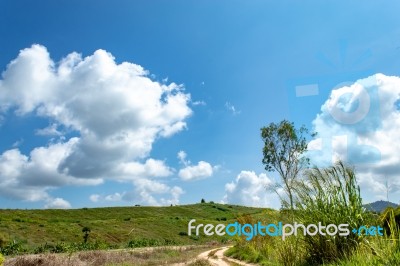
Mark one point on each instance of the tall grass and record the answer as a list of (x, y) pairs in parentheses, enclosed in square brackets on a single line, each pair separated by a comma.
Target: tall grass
[(330, 196)]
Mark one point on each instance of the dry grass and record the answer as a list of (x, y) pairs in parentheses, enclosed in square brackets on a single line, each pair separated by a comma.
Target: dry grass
[(200, 262), (140, 257)]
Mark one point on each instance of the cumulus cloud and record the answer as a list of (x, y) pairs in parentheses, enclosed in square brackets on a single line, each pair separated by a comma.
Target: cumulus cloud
[(146, 190), (116, 112), (94, 197), (57, 203), (182, 158), (29, 177), (51, 130), (201, 170), (249, 189), (194, 172), (115, 197), (360, 123)]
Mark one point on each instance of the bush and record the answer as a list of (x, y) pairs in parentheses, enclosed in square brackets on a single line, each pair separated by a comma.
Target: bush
[(12, 248), (1, 259), (3, 240), (390, 220), (330, 196), (144, 242)]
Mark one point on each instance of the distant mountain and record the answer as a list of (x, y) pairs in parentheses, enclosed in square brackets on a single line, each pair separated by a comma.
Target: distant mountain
[(380, 205)]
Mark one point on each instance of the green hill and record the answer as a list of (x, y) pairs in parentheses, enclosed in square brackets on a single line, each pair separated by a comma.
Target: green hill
[(379, 206), (118, 226)]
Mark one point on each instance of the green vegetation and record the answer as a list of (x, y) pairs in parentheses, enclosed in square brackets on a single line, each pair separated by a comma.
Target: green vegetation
[(329, 196), (283, 150), (37, 231)]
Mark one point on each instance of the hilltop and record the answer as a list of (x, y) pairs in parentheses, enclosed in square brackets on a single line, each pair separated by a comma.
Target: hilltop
[(118, 226), (380, 205)]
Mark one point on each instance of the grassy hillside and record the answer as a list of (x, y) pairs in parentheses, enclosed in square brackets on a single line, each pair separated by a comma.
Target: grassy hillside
[(117, 225), (379, 206)]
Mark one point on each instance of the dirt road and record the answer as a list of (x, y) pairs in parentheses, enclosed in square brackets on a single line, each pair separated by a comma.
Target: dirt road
[(216, 258)]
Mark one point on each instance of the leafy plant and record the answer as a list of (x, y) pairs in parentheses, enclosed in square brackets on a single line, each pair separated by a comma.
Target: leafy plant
[(12, 248), (283, 150), (330, 196), (1, 259), (86, 231)]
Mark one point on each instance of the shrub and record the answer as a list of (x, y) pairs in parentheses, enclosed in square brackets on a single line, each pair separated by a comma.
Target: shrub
[(3, 240), (1, 259), (330, 196), (12, 248), (390, 220), (144, 242), (86, 231)]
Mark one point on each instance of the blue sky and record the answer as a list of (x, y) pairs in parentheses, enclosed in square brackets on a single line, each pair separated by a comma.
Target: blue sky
[(72, 139)]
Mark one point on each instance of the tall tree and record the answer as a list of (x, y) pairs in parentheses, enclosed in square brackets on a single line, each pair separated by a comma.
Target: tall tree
[(283, 150)]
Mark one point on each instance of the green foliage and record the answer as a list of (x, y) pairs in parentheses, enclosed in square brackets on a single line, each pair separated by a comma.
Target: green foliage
[(390, 220), (108, 225), (203, 201), (330, 196), (1, 259), (3, 240), (283, 149), (144, 242), (13, 248), (86, 231), (62, 247)]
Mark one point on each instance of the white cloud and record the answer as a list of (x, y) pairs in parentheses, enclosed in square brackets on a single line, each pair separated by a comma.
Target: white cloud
[(230, 107), (194, 172), (57, 203), (182, 158), (151, 192), (114, 197), (18, 143), (116, 110), (51, 130), (201, 103), (95, 197), (249, 189), (360, 123), (151, 168), (30, 177), (201, 170)]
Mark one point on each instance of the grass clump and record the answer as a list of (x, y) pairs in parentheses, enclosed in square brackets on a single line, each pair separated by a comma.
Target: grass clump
[(330, 196), (323, 196)]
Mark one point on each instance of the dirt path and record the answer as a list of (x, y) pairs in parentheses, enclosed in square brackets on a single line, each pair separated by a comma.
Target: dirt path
[(216, 258)]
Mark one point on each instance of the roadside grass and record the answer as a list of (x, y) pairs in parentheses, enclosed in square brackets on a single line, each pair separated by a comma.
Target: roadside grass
[(37, 231), (200, 262), (329, 196)]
